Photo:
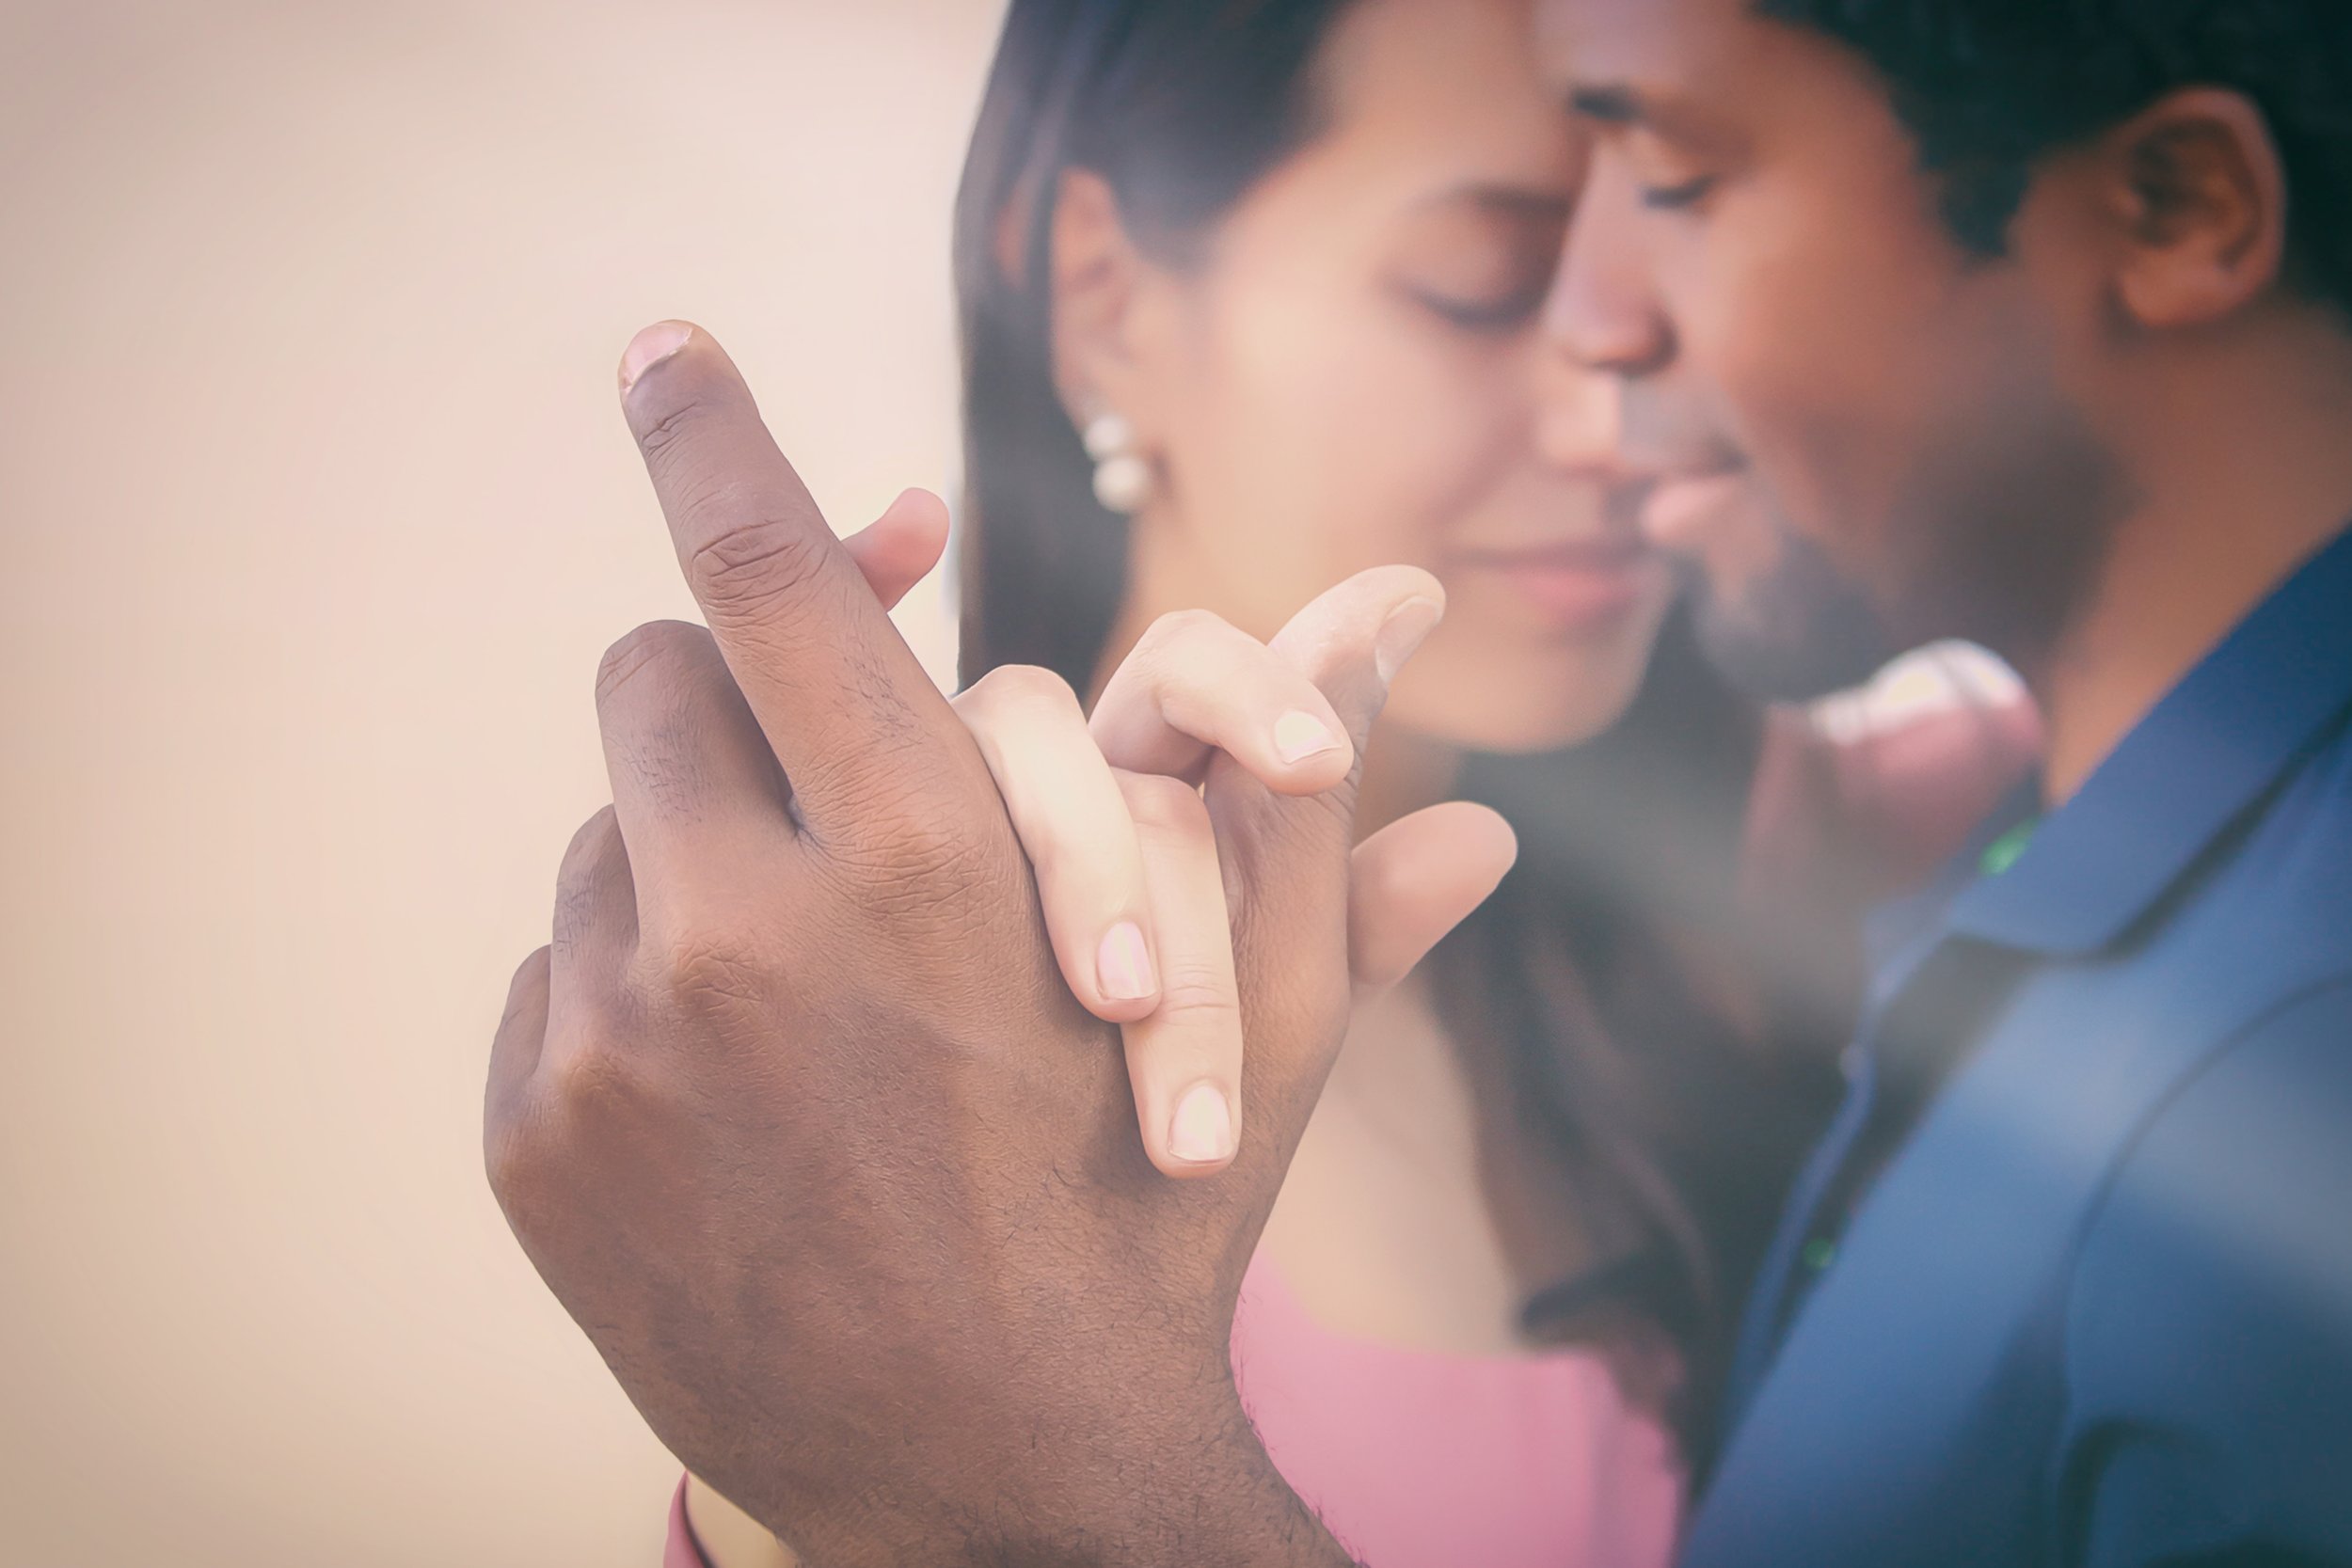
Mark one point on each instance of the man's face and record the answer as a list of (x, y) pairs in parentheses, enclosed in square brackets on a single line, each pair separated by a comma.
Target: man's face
[(1861, 432)]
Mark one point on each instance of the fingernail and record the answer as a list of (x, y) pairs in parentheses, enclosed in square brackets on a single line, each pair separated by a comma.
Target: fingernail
[(651, 347), (1299, 735), (1407, 626), (1202, 1130), (1123, 964)]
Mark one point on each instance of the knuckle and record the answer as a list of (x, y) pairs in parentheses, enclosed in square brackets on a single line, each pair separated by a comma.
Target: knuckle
[(524, 1149), (586, 847), (650, 648), (1023, 689), (527, 989), (1180, 626), (708, 972), (1086, 871), (1165, 805), (588, 1085), (676, 423), (751, 568), (1198, 995), (512, 1156)]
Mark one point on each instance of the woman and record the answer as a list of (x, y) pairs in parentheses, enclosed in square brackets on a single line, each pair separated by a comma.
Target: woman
[(1249, 301)]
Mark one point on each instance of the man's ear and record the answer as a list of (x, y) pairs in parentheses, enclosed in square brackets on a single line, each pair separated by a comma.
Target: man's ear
[(1100, 287), (2200, 194)]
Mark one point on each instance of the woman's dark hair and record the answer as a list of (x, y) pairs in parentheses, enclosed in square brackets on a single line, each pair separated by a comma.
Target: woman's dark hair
[(1990, 88), (1179, 106), (1674, 1131)]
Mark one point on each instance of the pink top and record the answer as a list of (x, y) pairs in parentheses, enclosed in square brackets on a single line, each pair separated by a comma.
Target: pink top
[(681, 1551), (1420, 1460)]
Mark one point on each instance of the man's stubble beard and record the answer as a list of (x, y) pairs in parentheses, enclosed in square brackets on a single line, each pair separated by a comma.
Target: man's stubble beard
[(2000, 542), (1801, 631)]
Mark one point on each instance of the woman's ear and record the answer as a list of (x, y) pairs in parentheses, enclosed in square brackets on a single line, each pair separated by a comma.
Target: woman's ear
[(1100, 287), (2200, 193)]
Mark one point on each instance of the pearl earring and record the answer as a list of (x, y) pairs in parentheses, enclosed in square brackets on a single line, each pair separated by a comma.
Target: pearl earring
[(1123, 480)]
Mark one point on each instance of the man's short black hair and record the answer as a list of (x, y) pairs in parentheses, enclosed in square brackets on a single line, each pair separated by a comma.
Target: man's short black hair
[(1990, 86)]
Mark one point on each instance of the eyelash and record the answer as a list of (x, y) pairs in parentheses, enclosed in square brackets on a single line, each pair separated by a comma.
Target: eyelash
[(1496, 317), (1677, 199)]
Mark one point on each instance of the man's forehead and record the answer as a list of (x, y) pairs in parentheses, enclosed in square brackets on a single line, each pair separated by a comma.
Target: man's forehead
[(1659, 43)]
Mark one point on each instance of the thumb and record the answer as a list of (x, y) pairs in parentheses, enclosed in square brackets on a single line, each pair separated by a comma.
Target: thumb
[(1286, 857), (1415, 881)]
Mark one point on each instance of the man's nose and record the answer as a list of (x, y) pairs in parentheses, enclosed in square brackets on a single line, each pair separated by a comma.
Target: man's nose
[(1602, 313)]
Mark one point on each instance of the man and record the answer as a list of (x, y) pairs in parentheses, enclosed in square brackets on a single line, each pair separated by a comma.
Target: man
[(2030, 319), (2033, 321)]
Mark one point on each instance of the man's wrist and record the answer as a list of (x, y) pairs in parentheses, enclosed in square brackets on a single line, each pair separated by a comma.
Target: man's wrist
[(1203, 1494), (1175, 1483)]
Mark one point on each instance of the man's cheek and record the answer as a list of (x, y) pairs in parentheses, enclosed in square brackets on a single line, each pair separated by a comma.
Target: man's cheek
[(1773, 395), (1752, 545), (1823, 428)]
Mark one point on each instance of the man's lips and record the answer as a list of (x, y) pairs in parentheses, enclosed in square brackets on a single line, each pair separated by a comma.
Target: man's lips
[(1576, 584), (1681, 508)]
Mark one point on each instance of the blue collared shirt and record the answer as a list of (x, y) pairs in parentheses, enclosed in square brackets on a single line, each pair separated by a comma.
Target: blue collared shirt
[(2071, 1282)]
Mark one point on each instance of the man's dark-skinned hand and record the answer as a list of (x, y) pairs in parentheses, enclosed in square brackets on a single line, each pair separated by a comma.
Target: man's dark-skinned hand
[(799, 1119)]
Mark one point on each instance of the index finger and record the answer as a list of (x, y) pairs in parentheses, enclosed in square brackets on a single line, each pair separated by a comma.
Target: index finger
[(840, 697), (1287, 858)]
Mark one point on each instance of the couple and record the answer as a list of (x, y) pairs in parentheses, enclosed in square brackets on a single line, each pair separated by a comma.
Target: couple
[(1983, 318)]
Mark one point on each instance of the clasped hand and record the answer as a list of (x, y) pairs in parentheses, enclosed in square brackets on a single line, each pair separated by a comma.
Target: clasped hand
[(843, 1109)]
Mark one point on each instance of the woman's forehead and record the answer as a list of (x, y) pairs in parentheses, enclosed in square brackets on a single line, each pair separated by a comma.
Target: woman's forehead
[(1443, 91)]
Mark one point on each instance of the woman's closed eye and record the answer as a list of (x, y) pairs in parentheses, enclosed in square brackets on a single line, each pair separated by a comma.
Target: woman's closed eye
[(1480, 261), (1485, 312)]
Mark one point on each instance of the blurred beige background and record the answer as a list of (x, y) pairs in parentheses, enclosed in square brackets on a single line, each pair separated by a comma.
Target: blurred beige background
[(315, 514)]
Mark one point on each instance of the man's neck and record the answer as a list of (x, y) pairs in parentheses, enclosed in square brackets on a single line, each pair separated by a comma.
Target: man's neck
[(2236, 497)]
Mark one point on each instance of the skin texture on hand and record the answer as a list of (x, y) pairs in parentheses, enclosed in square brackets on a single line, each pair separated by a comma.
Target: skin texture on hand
[(798, 1118)]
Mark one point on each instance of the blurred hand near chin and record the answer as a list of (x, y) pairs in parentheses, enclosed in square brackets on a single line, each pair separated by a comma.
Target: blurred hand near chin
[(798, 1115)]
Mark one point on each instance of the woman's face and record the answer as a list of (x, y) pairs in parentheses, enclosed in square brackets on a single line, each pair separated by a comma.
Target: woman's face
[(1353, 376)]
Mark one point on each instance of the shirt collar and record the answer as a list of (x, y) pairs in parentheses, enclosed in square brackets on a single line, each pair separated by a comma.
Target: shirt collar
[(2191, 769)]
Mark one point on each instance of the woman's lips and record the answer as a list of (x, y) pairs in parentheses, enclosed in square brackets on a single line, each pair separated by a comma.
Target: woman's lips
[(1578, 586)]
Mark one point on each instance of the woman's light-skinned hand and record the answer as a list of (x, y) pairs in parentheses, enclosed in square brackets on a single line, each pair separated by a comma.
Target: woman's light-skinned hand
[(1109, 815), (1126, 865)]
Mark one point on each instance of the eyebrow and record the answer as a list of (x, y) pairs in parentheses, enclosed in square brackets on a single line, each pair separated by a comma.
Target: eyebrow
[(1517, 201), (1611, 102), (1621, 105), (1522, 202)]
